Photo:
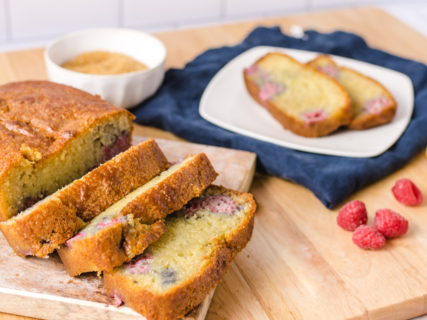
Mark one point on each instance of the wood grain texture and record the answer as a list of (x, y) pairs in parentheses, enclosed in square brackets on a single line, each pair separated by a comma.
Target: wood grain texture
[(299, 264)]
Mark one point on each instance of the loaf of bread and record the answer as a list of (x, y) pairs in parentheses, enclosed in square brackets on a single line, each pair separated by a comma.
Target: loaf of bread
[(178, 271), (50, 135), (302, 99), (372, 104), (97, 247), (41, 228)]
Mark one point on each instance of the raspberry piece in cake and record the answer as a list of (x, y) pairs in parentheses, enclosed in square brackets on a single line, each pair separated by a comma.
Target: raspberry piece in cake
[(372, 104), (314, 116), (390, 223), (188, 260), (117, 301), (214, 204), (368, 238), (269, 90), (304, 100), (352, 215), (140, 264), (376, 105), (51, 135), (114, 237), (330, 70), (406, 192), (61, 215)]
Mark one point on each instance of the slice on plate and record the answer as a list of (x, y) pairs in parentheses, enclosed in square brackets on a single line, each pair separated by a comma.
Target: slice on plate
[(98, 247), (303, 100), (372, 104), (41, 228), (178, 271)]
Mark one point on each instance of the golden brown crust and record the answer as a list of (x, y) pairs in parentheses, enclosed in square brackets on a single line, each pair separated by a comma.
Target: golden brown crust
[(321, 60), (46, 117), (366, 120), (297, 126), (181, 299), (110, 247), (111, 181), (174, 191), (40, 232), (55, 221), (103, 251), (363, 120)]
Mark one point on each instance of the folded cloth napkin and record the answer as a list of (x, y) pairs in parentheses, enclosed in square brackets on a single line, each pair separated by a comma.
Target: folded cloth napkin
[(332, 179)]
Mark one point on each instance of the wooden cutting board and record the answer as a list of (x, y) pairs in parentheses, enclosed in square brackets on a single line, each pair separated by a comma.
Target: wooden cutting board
[(41, 288)]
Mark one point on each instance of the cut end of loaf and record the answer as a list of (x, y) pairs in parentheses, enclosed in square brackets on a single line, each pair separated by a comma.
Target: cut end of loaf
[(32, 181)]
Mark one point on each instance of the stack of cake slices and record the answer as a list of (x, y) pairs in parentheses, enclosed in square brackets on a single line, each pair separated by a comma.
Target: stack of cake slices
[(317, 98), (160, 233)]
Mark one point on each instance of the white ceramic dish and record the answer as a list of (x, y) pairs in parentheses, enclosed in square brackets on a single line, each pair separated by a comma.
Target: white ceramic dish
[(227, 104), (123, 90)]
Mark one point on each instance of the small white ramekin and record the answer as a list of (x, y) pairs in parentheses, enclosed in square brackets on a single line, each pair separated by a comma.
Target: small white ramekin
[(124, 90)]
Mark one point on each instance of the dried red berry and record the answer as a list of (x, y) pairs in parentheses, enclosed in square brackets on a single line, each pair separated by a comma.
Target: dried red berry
[(390, 223), (367, 237), (352, 215), (406, 192)]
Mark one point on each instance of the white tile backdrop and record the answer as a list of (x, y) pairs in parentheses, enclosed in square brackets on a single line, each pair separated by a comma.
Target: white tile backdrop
[(33, 23), (3, 22), (242, 8), (140, 13), (44, 18)]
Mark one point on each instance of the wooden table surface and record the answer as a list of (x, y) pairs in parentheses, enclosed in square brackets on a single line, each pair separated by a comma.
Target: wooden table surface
[(299, 264)]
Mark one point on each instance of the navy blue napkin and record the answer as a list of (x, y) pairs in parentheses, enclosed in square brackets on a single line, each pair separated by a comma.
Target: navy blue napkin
[(332, 179)]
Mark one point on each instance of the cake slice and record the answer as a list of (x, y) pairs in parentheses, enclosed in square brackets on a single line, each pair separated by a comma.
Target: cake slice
[(178, 271), (302, 99), (41, 228), (90, 250), (50, 135), (372, 104), (108, 243)]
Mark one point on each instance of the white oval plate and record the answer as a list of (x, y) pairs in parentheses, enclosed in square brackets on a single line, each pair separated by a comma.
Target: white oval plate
[(226, 103)]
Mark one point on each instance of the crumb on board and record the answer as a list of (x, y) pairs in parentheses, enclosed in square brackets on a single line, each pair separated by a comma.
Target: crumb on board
[(17, 274), (70, 281), (249, 256), (61, 282)]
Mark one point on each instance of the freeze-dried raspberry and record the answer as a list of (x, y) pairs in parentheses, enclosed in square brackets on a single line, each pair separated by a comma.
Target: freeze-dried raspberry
[(390, 223), (406, 192), (352, 215), (367, 237)]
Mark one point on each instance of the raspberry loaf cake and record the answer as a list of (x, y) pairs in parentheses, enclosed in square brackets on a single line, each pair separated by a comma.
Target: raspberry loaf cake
[(50, 135), (179, 270), (50, 222), (91, 250), (372, 104), (108, 244), (303, 100)]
